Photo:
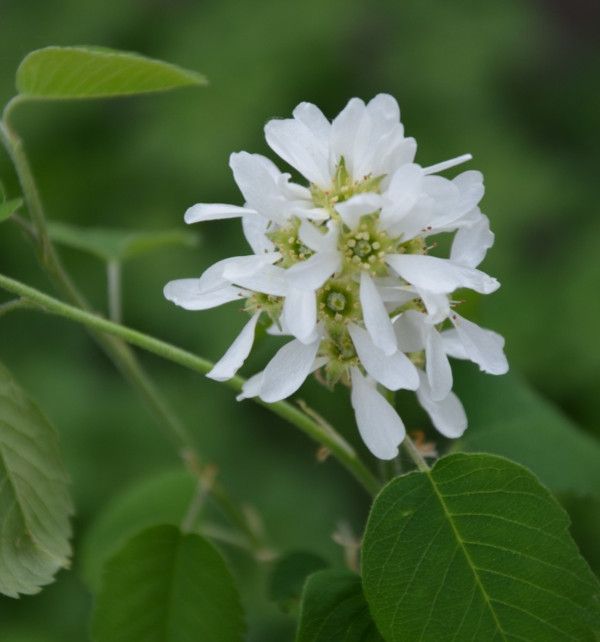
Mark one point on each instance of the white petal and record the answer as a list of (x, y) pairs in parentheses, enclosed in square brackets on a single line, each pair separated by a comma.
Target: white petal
[(384, 108), (483, 347), (255, 231), (381, 132), (471, 243), (300, 314), (440, 275), (319, 239), (440, 167), (357, 206), (287, 370), (439, 373), (471, 188), (394, 372), (314, 119), (447, 415), (446, 197), (453, 345), (261, 183), (377, 320), (307, 211), (268, 279), (187, 294), (312, 273), (301, 148), (379, 425), (237, 353), (411, 331), (252, 386), (437, 305), (213, 278), (403, 192), (396, 295), (214, 211), (345, 129), (399, 152), (237, 266)]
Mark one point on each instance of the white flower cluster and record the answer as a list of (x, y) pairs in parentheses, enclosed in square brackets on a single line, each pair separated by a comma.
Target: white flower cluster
[(343, 266)]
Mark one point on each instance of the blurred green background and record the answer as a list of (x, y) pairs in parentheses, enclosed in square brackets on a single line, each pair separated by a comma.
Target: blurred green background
[(516, 83)]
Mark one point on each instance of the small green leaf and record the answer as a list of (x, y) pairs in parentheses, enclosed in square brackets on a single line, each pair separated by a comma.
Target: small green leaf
[(334, 610), (35, 506), (8, 208), (161, 499), (475, 549), (518, 423), (92, 72), (288, 576), (164, 586), (117, 245)]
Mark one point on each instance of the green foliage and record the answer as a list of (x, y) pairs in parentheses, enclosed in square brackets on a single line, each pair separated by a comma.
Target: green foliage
[(288, 576), (334, 610), (94, 72), (518, 423), (161, 499), (166, 586), (475, 549), (34, 501), (8, 208), (119, 245)]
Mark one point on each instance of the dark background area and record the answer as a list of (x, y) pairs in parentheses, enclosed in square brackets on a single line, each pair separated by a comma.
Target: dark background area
[(516, 83)]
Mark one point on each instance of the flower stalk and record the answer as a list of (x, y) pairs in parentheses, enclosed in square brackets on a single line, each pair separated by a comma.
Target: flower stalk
[(328, 438)]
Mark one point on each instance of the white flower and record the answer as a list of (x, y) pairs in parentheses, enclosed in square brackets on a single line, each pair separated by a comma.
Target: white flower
[(343, 266)]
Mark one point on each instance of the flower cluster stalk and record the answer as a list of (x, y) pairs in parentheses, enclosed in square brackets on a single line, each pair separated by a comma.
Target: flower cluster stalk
[(328, 438), (116, 349)]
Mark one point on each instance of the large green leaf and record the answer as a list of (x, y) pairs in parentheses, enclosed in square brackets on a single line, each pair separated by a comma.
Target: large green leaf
[(288, 575), (165, 586), (162, 499), (119, 245), (476, 549), (334, 610), (34, 501), (93, 72), (507, 417)]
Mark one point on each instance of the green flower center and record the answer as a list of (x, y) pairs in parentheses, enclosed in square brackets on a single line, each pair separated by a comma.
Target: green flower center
[(365, 247), (338, 301), (343, 187)]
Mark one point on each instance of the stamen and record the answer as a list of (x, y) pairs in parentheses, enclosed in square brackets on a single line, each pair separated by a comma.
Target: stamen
[(440, 167)]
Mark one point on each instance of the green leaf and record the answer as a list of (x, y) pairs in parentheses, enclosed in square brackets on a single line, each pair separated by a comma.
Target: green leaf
[(8, 208), (34, 501), (288, 576), (476, 549), (515, 421), (161, 499), (334, 610), (117, 245), (165, 586), (93, 72)]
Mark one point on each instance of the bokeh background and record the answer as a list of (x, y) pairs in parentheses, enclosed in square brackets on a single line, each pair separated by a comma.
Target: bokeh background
[(516, 83)]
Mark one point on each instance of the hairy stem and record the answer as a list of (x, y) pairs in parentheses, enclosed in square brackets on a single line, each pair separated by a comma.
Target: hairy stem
[(325, 436)]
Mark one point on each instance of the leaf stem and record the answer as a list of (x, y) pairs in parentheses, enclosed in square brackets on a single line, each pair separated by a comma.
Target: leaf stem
[(117, 350), (413, 452), (15, 304), (113, 286), (332, 440)]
